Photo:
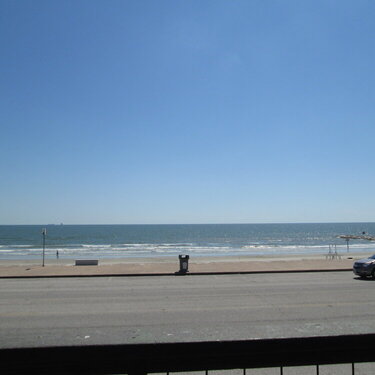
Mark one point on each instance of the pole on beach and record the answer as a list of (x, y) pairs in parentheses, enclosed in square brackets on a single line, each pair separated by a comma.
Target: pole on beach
[(44, 232)]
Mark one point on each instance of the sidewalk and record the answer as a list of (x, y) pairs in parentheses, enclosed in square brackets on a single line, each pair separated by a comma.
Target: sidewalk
[(169, 266)]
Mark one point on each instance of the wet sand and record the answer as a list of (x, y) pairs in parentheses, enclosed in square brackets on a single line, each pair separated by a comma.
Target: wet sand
[(170, 265)]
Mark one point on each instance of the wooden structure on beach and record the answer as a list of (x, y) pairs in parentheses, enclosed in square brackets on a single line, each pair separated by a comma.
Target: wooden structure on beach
[(348, 237)]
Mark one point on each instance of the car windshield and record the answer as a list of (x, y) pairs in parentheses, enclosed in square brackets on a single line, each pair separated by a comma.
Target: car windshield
[(372, 257)]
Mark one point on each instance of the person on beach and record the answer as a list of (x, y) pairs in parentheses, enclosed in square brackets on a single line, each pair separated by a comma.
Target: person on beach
[(57, 254)]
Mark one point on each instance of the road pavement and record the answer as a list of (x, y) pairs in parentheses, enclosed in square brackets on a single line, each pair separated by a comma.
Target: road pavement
[(111, 310)]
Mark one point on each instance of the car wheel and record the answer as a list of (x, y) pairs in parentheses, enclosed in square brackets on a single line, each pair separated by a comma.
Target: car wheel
[(373, 274)]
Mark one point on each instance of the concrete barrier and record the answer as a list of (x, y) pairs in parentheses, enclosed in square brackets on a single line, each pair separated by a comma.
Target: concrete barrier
[(87, 262)]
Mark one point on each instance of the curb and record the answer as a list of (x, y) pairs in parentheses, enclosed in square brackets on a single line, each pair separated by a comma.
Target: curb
[(176, 274)]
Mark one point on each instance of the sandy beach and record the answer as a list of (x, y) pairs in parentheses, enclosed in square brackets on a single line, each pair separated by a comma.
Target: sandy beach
[(170, 265)]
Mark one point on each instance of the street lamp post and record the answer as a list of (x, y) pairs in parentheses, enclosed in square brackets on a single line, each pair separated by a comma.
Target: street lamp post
[(44, 232)]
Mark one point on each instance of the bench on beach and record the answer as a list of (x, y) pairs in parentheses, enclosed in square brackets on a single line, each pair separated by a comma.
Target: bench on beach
[(87, 262)]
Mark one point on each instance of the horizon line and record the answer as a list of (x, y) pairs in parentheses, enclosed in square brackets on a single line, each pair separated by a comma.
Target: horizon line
[(218, 223)]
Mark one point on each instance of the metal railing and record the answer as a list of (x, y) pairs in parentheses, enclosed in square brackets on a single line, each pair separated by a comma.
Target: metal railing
[(140, 359)]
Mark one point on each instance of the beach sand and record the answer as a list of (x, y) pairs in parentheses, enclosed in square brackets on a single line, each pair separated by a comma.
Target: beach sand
[(170, 265)]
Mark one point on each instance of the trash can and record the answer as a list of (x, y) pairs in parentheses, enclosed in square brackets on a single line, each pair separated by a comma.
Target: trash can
[(184, 264)]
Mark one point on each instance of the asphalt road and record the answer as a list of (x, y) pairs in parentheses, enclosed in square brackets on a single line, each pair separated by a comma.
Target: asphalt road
[(111, 310)]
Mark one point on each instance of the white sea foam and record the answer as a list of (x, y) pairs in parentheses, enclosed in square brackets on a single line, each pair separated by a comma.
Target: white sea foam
[(16, 246), (96, 246)]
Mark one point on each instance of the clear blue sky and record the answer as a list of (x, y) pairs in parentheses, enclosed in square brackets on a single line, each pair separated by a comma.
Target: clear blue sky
[(187, 111)]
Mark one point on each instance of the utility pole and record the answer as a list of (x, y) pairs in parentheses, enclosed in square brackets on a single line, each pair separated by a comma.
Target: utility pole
[(44, 232)]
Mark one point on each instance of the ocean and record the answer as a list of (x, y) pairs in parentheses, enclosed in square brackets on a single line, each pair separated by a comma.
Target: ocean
[(118, 241)]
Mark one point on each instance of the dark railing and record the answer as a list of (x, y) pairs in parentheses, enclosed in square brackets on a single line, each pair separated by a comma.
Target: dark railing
[(139, 359)]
